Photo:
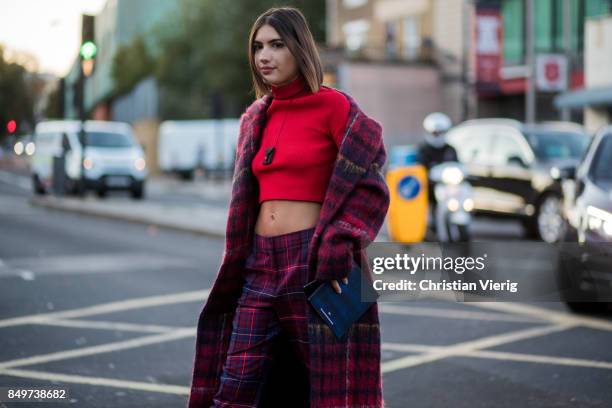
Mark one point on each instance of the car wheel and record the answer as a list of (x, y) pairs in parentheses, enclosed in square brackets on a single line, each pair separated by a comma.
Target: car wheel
[(101, 192), (464, 233), (568, 271), (549, 219), (186, 174), (37, 186), (137, 192)]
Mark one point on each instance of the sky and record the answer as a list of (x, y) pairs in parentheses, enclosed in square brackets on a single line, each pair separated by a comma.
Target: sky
[(50, 30)]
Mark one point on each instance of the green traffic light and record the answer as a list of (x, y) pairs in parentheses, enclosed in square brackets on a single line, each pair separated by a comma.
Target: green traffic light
[(88, 50)]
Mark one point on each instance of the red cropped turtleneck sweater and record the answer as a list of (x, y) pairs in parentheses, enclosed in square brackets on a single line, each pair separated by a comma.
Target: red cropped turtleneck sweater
[(306, 130)]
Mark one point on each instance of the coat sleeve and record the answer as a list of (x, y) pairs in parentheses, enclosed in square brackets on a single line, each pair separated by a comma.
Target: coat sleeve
[(356, 224)]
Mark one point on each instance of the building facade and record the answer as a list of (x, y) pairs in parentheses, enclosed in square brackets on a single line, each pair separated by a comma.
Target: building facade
[(475, 53), (402, 59), (502, 69), (595, 99)]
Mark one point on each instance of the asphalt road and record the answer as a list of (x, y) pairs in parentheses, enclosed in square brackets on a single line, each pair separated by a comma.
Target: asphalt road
[(107, 310)]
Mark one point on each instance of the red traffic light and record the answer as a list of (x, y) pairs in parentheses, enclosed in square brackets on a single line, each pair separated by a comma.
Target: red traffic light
[(11, 126)]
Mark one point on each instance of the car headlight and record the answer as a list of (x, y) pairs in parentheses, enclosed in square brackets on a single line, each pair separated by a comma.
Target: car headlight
[(140, 164), (468, 204), (452, 175), (88, 163), (453, 205), (18, 148), (599, 221), (30, 148)]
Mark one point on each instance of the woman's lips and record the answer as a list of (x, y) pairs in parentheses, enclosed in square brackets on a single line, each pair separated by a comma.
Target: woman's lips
[(266, 71)]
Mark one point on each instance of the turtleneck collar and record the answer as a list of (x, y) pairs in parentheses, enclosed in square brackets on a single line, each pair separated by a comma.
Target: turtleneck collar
[(289, 90)]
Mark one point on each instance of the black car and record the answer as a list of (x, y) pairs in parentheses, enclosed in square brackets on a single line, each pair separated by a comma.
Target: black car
[(585, 254), (513, 169)]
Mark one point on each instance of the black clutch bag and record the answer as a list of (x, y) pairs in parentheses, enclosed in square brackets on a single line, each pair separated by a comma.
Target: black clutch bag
[(341, 310)]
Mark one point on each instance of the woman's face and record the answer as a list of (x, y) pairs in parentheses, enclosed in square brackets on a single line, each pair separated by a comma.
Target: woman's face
[(273, 60)]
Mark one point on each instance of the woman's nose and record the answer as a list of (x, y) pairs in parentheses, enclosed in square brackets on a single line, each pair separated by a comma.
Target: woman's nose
[(264, 56)]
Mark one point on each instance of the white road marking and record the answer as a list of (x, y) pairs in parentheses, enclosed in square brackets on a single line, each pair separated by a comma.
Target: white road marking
[(93, 263), (102, 325), (26, 275), (552, 316), (534, 358), (473, 348), (139, 303), (409, 348), (470, 346), (104, 382), (452, 314), (501, 355), (180, 390), (103, 348)]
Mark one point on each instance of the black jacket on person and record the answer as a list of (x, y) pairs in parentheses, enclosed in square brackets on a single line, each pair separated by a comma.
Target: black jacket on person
[(430, 156)]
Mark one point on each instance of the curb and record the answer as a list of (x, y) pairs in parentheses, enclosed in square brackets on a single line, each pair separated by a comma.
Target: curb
[(138, 214)]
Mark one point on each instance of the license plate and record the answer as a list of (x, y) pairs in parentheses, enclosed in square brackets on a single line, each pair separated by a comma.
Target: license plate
[(117, 181)]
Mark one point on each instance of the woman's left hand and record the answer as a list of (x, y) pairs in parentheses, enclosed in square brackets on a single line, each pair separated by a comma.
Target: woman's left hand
[(336, 285)]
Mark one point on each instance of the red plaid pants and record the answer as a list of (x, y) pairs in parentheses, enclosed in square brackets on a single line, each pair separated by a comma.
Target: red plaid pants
[(272, 302)]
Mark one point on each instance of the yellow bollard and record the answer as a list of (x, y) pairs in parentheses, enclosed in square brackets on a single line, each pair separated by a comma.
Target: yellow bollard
[(407, 216)]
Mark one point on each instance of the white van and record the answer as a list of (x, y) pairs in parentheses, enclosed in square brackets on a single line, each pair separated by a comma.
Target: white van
[(113, 159), (185, 145)]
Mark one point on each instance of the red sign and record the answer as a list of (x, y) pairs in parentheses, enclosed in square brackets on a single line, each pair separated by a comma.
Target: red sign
[(488, 46), (551, 72)]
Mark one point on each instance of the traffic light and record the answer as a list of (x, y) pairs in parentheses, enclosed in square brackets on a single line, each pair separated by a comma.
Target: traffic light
[(88, 50), (11, 126)]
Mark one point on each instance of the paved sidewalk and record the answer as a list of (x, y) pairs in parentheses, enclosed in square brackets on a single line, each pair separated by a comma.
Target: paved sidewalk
[(200, 219)]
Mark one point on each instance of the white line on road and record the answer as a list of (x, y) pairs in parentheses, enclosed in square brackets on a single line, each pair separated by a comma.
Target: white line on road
[(470, 346), (105, 382), (180, 390), (501, 355), (552, 316), (93, 263), (104, 348), (132, 327), (112, 307), (534, 358), (453, 314)]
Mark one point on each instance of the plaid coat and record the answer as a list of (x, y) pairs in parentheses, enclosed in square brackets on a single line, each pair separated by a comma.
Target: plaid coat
[(340, 374)]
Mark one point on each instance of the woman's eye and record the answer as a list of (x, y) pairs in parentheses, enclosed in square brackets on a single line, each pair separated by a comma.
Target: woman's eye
[(279, 45)]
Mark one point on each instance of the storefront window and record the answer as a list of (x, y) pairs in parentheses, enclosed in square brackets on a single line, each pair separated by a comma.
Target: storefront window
[(512, 11), (543, 29)]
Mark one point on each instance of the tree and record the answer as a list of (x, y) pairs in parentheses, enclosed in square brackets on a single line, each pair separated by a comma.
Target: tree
[(131, 64), (203, 53), (16, 98)]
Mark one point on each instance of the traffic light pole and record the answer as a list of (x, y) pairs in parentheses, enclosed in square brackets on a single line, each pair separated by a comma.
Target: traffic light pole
[(530, 94), (82, 138)]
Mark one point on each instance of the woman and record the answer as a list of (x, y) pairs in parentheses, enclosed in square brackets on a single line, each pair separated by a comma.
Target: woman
[(308, 196)]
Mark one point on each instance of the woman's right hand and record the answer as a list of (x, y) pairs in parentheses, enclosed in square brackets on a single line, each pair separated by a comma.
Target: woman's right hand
[(336, 285)]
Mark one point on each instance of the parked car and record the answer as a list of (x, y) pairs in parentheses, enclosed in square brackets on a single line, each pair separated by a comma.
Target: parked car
[(585, 254), (511, 167), (112, 158), (187, 145)]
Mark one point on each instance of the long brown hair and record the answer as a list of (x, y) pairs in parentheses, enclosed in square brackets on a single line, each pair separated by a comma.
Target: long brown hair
[(293, 29)]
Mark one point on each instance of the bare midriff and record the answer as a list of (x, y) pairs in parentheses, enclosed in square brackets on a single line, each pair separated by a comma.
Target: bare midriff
[(278, 217)]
